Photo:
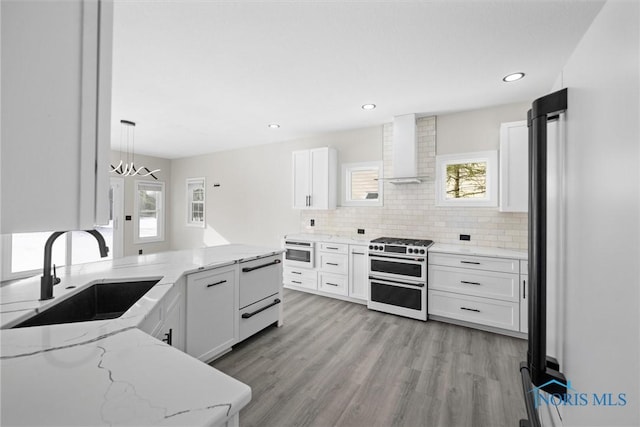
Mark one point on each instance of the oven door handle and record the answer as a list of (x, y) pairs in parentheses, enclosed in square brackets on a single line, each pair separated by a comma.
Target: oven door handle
[(417, 285), (403, 258)]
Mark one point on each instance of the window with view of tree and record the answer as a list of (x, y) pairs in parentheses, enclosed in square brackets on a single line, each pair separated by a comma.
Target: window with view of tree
[(468, 179), (149, 222), (195, 202)]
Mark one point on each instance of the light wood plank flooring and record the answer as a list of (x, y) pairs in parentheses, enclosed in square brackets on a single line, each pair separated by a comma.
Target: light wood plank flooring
[(335, 363)]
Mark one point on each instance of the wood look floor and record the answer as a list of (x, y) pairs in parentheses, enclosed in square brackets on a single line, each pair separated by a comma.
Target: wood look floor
[(335, 363)]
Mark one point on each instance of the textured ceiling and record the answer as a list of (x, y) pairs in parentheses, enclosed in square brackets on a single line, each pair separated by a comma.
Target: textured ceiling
[(203, 76)]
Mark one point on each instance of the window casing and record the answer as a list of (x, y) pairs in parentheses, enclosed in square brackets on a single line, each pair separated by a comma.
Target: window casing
[(196, 202), (469, 179), (149, 212), (362, 184)]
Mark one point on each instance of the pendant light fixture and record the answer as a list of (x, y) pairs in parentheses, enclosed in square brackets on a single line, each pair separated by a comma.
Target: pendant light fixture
[(127, 167)]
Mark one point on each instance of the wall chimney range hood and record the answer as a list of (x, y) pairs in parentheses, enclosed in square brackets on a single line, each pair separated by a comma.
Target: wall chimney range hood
[(404, 151)]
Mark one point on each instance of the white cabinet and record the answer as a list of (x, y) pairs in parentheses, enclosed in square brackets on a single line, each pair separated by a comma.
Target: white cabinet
[(315, 178), (166, 321), (514, 167), (212, 312), (300, 277), (475, 289), (524, 296), (358, 272), (333, 271), (56, 108)]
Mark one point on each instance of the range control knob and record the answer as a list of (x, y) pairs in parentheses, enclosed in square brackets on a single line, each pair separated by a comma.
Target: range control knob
[(410, 250), (370, 246), (422, 251)]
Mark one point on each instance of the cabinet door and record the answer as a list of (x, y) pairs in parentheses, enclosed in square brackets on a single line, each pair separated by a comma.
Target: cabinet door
[(211, 312), (320, 178), (301, 179), (358, 268), (173, 327), (56, 107), (524, 303), (514, 167)]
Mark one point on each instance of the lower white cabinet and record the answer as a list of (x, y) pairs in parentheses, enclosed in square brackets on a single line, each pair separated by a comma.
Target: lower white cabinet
[(524, 296), (300, 277), (212, 312), (166, 321), (479, 290), (358, 272), (333, 283)]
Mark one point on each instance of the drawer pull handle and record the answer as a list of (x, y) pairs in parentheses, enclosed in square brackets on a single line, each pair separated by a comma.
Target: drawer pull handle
[(470, 309), (296, 272), (470, 283), (470, 262), (248, 315), (358, 253), (217, 283), (332, 248), (248, 269), (295, 281), (332, 284), (333, 263)]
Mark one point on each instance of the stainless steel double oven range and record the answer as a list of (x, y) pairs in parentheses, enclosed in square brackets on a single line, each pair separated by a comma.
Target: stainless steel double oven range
[(398, 276)]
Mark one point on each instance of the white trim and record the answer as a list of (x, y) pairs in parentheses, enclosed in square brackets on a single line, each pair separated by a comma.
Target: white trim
[(160, 209), (189, 222), (347, 169), (118, 217), (490, 157)]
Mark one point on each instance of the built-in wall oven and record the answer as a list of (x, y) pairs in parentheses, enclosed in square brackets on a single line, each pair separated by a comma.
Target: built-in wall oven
[(299, 253), (398, 276)]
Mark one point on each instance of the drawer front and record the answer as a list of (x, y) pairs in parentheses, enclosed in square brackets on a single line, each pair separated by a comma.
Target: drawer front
[(339, 248), (503, 265), (334, 263), (487, 284), (260, 278), (258, 316), (333, 283), (484, 311), (301, 273), (301, 282)]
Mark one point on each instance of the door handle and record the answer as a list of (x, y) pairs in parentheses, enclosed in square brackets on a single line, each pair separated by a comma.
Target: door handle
[(248, 315), (168, 337), (524, 288), (248, 269), (217, 283)]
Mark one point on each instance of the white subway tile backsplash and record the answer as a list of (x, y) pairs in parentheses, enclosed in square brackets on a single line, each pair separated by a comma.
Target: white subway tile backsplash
[(410, 211)]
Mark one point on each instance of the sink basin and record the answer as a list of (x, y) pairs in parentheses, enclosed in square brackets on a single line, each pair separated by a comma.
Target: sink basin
[(97, 302)]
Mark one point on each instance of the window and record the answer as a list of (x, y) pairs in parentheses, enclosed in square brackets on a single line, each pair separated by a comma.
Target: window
[(195, 202), (362, 184), (469, 179), (149, 221)]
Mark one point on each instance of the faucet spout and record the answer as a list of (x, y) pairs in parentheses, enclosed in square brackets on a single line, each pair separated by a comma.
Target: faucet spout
[(47, 281)]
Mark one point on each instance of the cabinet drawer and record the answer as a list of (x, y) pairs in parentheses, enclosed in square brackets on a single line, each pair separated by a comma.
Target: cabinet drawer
[(300, 273), (258, 316), (309, 283), (340, 248), (260, 278), (489, 284), (499, 314), (334, 263), (333, 283), (504, 265)]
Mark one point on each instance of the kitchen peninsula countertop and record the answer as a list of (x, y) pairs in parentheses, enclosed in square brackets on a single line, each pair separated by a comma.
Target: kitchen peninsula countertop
[(109, 372)]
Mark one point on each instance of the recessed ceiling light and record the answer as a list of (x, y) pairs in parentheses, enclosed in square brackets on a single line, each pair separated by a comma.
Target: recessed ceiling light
[(513, 77), (273, 126), (368, 106)]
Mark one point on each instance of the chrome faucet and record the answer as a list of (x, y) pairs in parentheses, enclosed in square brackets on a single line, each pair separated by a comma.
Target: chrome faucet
[(47, 281)]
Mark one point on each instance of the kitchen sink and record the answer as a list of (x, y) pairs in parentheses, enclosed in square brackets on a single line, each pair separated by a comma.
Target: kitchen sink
[(97, 302)]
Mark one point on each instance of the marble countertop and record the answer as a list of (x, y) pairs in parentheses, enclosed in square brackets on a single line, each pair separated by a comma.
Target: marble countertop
[(478, 250), (109, 372)]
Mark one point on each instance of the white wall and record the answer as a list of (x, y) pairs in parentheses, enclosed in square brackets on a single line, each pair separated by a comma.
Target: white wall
[(253, 203), (601, 328), (129, 247)]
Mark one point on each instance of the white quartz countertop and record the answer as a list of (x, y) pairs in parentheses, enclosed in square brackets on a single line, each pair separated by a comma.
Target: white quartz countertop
[(478, 250), (327, 238), (109, 372)]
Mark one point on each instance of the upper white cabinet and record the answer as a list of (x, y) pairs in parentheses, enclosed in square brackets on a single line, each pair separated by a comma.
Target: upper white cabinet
[(56, 112), (514, 167), (314, 178)]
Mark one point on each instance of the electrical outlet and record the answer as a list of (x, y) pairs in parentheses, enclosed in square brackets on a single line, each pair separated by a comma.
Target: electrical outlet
[(360, 230), (139, 251), (465, 237), (312, 222)]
